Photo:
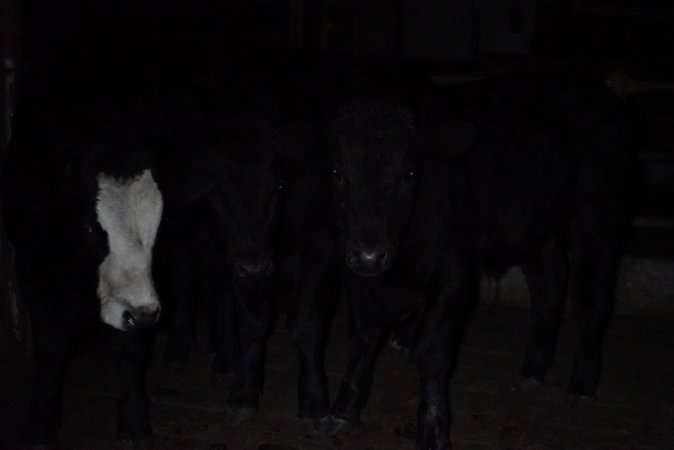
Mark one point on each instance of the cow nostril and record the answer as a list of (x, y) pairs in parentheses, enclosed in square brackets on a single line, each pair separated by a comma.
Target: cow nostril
[(138, 318), (240, 270), (256, 268), (372, 257), (129, 320)]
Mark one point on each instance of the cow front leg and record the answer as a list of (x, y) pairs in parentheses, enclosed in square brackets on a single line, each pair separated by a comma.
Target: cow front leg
[(181, 326), (224, 331), (592, 295), (441, 330), (365, 336), (596, 237), (44, 411), (253, 318), (131, 351), (546, 275), (307, 321)]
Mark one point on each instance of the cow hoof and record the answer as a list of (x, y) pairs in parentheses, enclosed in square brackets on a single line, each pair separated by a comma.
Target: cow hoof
[(341, 427), (321, 425), (400, 347), (530, 384), (140, 444), (574, 401), (218, 379), (581, 391), (239, 416), (434, 446)]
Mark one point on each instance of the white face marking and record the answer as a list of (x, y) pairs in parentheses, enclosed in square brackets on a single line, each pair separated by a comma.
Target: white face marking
[(129, 210)]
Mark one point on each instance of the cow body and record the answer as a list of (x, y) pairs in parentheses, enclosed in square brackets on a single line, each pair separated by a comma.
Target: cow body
[(271, 225), (283, 259), (533, 173), (83, 206)]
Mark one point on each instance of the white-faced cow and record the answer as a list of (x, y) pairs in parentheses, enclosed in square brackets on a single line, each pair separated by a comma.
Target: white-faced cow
[(530, 172), (83, 207)]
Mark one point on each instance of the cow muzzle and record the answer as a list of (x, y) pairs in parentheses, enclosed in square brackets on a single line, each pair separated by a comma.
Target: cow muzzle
[(369, 261), (253, 269), (120, 314)]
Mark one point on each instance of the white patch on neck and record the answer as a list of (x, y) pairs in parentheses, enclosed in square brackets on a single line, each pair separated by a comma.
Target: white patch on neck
[(129, 210)]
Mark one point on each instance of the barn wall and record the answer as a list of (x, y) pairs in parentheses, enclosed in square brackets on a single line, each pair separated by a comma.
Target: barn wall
[(438, 30)]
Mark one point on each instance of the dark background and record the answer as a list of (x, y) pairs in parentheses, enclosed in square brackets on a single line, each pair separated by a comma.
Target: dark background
[(459, 31), (451, 40)]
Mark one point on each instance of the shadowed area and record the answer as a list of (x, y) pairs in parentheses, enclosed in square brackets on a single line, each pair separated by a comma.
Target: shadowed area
[(491, 410)]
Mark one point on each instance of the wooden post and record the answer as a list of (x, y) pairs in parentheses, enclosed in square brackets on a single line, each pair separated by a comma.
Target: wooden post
[(14, 332)]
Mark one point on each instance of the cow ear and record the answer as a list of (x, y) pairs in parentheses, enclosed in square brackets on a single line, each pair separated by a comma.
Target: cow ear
[(451, 139)]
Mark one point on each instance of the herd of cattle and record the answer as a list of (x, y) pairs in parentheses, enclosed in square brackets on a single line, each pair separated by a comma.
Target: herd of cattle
[(128, 200)]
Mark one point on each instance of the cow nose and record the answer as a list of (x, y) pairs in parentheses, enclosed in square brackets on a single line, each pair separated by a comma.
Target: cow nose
[(253, 268), (372, 257), (139, 318), (370, 261)]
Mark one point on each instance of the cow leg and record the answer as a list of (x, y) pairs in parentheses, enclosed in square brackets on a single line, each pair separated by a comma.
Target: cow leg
[(130, 352), (224, 339), (365, 336), (44, 413), (307, 321), (441, 330), (404, 332), (595, 255), (181, 327), (253, 316), (546, 274)]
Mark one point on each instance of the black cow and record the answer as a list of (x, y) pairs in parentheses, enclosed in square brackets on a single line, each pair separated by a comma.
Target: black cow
[(273, 225), (533, 173), (189, 271), (83, 208)]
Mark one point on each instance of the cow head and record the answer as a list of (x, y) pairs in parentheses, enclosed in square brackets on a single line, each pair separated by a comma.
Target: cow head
[(374, 178), (128, 211), (86, 205), (250, 192), (381, 152)]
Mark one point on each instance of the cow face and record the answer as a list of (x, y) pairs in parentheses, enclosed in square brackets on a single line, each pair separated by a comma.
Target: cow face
[(249, 202), (374, 179), (128, 211)]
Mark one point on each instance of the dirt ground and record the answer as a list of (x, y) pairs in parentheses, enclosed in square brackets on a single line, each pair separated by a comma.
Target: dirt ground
[(634, 408)]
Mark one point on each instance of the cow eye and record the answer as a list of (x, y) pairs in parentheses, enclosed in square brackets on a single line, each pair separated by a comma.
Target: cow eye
[(338, 176), (281, 184), (406, 180), (88, 229)]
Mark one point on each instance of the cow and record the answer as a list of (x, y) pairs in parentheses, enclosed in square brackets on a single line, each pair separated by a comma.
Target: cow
[(431, 191), (83, 206), (189, 275), (272, 224)]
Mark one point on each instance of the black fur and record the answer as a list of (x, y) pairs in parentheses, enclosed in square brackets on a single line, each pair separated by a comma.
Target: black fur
[(525, 172), (272, 219)]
